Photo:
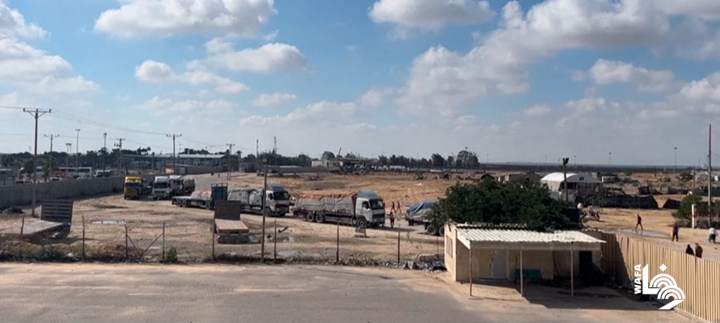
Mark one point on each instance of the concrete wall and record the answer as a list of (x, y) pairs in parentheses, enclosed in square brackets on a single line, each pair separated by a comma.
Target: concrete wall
[(21, 195)]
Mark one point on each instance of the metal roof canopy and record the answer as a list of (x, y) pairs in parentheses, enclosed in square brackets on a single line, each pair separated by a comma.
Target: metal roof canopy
[(527, 240)]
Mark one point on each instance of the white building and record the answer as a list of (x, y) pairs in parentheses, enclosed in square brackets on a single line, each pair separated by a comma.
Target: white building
[(582, 184)]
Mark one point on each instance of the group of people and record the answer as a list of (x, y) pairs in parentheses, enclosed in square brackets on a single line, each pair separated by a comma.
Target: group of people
[(394, 207), (712, 236)]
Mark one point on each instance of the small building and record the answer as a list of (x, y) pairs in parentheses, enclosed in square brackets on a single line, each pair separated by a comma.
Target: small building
[(484, 251), (577, 184), (530, 177)]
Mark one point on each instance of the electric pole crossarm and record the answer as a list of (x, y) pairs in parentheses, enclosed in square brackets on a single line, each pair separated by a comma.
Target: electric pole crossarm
[(174, 136)]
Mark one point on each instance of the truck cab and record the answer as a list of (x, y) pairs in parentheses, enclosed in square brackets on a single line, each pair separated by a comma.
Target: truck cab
[(161, 188), (133, 187), (371, 207), (277, 199)]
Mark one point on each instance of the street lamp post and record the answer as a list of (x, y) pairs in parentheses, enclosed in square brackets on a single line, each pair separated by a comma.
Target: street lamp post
[(675, 168), (610, 158), (77, 148), (264, 211)]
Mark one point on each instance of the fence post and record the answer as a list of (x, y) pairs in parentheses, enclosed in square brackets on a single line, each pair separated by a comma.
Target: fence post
[(163, 243), (275, 242), (83, 237), (337, 247), (398, 247), (126, 243), (212, 237)]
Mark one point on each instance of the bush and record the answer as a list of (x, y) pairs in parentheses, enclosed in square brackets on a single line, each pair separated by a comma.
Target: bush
[(171, 256), (493, 202), (685, 210)]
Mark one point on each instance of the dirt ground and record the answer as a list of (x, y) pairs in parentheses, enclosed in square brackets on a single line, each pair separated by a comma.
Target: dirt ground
[(188, 229)]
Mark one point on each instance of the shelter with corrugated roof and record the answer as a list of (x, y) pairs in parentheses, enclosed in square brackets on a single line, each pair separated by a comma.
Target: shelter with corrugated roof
[(511, 252)]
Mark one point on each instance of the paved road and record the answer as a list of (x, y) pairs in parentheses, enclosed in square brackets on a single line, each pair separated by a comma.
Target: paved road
[(224, 293)]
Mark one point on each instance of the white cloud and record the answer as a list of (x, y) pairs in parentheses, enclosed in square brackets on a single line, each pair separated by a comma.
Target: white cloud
[(173, 17), (317, 113), (13, 24), (268, 58), (270, 37), (608, 72), (376, 96), (158, 72), (266, 100), (217, 45), (186, 108), (537, 110), (441, 80), (430, 14), (72, 85), (705, 91)]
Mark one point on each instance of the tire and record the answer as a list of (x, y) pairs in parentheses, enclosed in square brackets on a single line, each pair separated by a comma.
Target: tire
[(183, 203), (353, 222), (309, 217), (411, 222), (431, 230), (441, 231), (320, 218), (362, 222)]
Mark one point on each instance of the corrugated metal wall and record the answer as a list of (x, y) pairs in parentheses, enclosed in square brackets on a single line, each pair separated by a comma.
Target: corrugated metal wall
[(698, 278)]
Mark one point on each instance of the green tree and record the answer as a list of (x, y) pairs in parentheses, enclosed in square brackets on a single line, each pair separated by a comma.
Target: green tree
[(685, 210), (9, 161), (29, 166), (494, 202), (685, 177), (437, 160)]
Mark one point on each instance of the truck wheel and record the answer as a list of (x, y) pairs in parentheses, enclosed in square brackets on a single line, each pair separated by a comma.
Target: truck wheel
[(441, 231), (320, 218), (361, 222), (183, 203), (431, 230), (411, 222), (309, 217)]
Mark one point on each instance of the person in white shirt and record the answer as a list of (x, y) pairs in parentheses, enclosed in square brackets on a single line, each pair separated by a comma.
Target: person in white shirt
[(712, 236)]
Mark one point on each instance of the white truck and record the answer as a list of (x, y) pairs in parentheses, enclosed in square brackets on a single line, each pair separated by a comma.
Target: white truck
[(416, 215), (161, 188), (362, 208), (277, 199)]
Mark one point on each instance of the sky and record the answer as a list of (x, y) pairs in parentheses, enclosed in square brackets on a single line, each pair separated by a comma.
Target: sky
[(598, 81)]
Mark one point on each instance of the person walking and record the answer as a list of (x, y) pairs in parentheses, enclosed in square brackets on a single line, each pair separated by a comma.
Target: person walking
[(392, 207), (712, 236), (397, 204), (639, 223), (675, 231), (698, 250), (392, 220), (689, 250)]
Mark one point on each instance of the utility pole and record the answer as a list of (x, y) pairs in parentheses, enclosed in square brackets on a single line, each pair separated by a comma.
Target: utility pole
[(104, 149), (710, 175), (173, 136), (120, 156), (257, 148), (35, 113), (51, 150), (67, 159), (610, 158), (675, 168), (274, 145), (239, 159), (264, 211), (564, 166), (51, 140), (228, 160), (77, 148)]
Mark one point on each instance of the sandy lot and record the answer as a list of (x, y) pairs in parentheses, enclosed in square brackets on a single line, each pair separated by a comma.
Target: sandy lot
[(189, 229)]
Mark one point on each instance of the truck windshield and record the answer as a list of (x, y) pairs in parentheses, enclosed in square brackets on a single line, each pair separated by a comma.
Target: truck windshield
[(377, 204), (132, 185), (160, 185), (282, 195)]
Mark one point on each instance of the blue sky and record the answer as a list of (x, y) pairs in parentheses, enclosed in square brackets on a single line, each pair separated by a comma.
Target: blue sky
[(514, 81)]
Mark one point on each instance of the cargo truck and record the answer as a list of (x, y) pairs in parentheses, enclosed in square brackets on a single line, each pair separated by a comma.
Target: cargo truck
[(362, 208), (277, 199), (161, 188), (133, 188), (416, 215)]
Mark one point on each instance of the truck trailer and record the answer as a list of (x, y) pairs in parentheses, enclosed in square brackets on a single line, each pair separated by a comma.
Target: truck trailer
[(362, 208), (203, 199), (277, 199)]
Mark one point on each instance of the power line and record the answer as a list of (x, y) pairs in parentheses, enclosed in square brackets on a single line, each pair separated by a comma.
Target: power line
[(104, 125)]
